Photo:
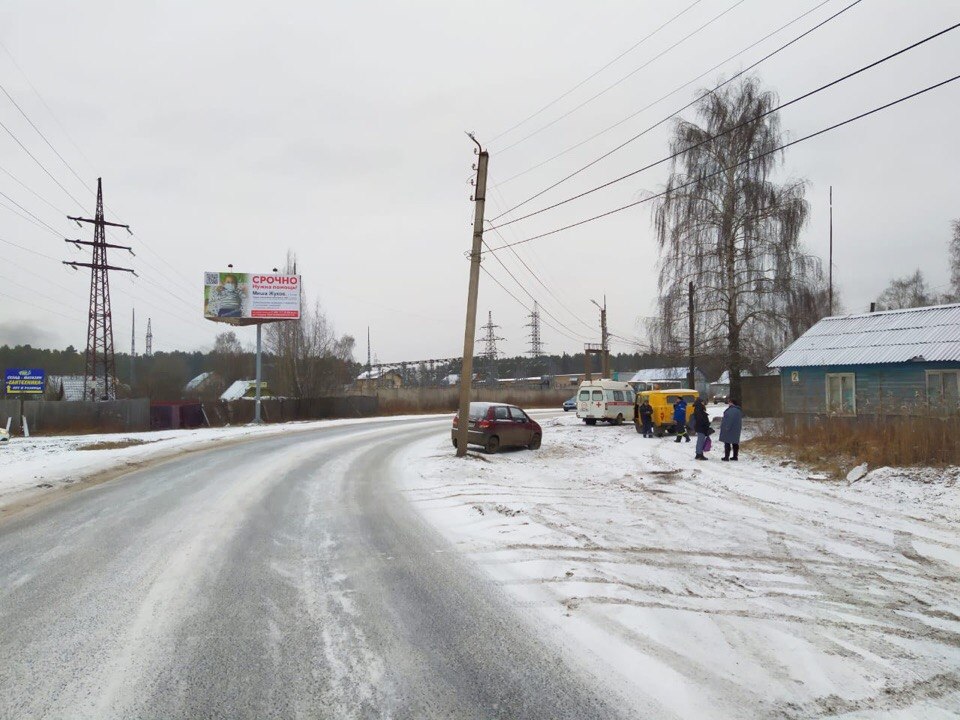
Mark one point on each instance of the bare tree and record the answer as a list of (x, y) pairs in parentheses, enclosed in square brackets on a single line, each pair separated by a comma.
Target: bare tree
[(309, 359), (229, 360), (723, 224), (955, 263), (909, 291)]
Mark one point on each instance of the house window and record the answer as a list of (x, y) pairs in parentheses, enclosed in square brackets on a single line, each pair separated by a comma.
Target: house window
[(943, 388), (841, 394)]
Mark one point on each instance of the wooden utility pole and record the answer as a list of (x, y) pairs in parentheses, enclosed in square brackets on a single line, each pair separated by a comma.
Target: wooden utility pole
[(470, 329), (604, 340), (691, 373)]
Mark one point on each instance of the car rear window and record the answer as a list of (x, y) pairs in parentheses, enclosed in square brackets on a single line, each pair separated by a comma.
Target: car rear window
[(584, 394), (478, 410), (598, 394)]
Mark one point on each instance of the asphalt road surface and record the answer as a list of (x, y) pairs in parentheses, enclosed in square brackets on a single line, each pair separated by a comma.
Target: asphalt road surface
[(282, 577)]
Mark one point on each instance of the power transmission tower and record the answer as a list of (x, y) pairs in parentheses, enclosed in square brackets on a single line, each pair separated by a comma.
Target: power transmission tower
[(100, 375), (490, 353), (536, 344), (148, 349)]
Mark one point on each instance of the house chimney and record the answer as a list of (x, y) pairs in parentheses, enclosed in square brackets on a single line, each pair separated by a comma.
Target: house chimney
[(873, 307)]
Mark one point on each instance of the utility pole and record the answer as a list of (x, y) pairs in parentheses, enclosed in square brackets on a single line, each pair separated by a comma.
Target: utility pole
[(691, 373), (148, 348), (490, 353), (133, 350), (604, 339), (470, 329), (100, 374), (830, 272)]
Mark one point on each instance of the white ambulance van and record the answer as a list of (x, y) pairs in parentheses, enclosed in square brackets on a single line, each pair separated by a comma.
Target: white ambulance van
[(607, 400)]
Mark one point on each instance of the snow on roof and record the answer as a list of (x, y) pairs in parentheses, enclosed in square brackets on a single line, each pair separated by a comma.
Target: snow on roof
[(926, 334), (374, 374), (198, 381), (238, 389), (654, 374)]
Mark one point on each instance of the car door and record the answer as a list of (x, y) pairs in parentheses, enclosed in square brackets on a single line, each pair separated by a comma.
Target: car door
[(522, 427), (503, 425)]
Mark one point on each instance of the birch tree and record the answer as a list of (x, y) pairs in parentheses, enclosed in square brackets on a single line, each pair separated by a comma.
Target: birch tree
[(726, 225)]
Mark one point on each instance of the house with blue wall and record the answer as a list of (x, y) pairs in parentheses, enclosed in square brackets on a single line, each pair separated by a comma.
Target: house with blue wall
[(896, 362)]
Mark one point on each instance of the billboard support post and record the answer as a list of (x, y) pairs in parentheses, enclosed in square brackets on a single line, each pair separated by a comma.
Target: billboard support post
[(256, 411)]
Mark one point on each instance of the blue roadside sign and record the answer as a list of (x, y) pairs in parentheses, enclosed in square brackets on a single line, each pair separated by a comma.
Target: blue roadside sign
[(25, 380)]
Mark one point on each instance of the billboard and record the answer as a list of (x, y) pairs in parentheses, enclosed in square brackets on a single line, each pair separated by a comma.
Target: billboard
[(25, 380), (250, 298)]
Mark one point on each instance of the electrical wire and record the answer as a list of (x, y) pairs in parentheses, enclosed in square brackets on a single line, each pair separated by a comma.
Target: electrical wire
[(743, 124), (596, 72), (736, 165), (581, 336), (41, 165), (522, 304), (32, 192), (40, 133), (674, 92), (624, 78)]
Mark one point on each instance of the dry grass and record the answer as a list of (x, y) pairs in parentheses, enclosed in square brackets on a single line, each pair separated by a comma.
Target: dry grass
[(114, 444), (836, 444)]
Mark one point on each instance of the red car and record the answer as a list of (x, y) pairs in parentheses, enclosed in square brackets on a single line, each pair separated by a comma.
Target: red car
[(496, 425)]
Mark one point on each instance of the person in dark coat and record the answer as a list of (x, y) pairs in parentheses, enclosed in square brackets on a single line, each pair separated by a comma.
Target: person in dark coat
[(701, 425), (644, 415), (730, 428), (680, 419)]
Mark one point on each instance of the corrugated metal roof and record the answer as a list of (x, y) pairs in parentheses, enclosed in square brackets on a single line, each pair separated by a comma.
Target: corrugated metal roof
[(654, 374), (930, 334)]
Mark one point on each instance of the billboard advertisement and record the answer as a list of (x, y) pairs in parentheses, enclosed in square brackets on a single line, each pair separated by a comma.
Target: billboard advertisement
[(25, 380), (249, 298)]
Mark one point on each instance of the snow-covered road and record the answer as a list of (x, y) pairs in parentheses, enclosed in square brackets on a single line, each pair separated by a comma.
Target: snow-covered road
[(716, 590)]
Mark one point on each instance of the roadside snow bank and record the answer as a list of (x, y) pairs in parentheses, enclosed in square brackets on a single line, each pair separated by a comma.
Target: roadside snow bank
[(712, 589), (40, 464)]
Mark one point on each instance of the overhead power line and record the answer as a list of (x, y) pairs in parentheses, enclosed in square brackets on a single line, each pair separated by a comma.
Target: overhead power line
[(749, 121), (624, 78), (736, 165), (44, 137), (40, 164), (672, 93), (596, 72)]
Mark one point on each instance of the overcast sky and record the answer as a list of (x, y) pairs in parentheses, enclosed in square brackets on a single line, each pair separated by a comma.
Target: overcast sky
[(230, 132)]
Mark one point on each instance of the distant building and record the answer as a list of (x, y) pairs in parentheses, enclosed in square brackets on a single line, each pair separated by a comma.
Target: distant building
[(245, 390), (664, 379), (65, 387), (897, 362), (382, 377), (208, 384)]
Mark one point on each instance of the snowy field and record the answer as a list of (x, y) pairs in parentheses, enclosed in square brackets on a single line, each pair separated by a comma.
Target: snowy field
[(712, 589), (33, 466)]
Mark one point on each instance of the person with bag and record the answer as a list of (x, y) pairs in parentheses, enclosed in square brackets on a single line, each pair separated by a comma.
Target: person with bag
[(701, 425), (730, 429)]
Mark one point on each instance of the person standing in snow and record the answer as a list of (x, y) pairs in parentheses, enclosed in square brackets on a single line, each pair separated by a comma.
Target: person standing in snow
[(680, 419), (644, 415), (730, 428), (701, 425)]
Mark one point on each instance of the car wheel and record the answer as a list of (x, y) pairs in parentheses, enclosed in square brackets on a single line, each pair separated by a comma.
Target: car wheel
[(566, 409), (619, 420), (590, 421), (535, 443), (454, 442), (493, 444)]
